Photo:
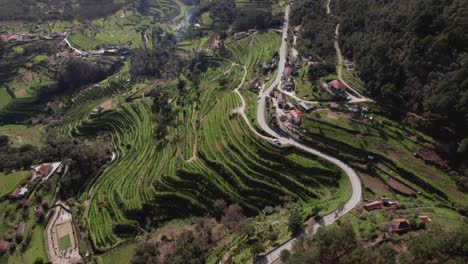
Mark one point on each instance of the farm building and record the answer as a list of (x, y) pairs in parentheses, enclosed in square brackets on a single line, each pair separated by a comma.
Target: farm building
[(375, 205), (398, 225), (20, 228)]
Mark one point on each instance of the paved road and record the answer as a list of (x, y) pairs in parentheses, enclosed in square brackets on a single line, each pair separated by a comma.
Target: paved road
[(355, 181)]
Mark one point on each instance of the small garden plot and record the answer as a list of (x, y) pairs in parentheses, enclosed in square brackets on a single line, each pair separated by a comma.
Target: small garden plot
[(64, 243)]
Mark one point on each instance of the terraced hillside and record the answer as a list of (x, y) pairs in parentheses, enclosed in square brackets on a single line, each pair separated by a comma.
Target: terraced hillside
[(209, 154)]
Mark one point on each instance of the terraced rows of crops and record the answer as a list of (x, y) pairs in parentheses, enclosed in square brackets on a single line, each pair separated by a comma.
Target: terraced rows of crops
[(251, 50), (158, 180), (126, 184), (87, 100), (161, 9)]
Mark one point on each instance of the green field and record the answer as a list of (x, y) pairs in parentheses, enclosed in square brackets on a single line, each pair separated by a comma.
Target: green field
[(20, 134), (5, 98), (8, 182), (36, 250), (121, 254), (64, 242)]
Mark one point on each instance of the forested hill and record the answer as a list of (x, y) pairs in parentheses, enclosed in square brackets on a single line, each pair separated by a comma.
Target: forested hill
[(412, 54)]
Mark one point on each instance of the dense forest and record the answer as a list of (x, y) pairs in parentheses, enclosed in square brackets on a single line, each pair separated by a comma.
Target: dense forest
[(412, 55)]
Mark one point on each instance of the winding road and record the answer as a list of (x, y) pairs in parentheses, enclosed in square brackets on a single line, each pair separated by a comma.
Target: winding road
[(273, 255)]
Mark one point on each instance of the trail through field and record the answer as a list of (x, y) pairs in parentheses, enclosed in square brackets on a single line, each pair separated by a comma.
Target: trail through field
[(354, 99)]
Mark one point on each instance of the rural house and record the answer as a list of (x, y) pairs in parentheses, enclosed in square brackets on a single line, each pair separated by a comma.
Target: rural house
[(280, 99), (44, 170), (295, 116), (424, 218), (398, 225), (256, 84), (375, 205), (338, 89)]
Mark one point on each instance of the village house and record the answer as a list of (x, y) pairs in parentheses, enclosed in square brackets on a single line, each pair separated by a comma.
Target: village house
[(19, 230), (338, 89), (39, 211), (43, 170), (288, 71), (398, 225), (4, 246), (19, 192), (295, 116)]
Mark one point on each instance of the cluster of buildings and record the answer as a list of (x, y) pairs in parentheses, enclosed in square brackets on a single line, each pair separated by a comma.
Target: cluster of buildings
[(288, 110), (43, 171)]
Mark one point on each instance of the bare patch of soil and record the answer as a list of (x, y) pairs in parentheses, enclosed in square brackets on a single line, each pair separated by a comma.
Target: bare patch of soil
[(400, 187), (375, 184)]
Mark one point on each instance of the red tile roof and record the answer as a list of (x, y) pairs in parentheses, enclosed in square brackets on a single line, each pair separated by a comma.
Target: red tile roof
[(337, 84), (288, 71), (296, 113), (4, 245), (44, 169)]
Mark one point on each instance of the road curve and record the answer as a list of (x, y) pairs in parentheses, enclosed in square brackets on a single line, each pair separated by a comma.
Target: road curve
[(355, 181)]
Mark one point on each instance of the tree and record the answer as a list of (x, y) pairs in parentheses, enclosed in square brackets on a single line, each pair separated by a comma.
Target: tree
[(233, 217), (295, 222)]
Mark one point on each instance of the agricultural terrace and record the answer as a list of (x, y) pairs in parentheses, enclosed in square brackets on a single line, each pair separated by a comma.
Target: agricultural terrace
[(392, 147), (121, 28), (167, 179)]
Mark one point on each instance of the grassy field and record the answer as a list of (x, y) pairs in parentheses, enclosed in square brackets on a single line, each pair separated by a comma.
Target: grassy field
[(8, 182), (121, 254), (64, 242), (5, 98), (20, 134)]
